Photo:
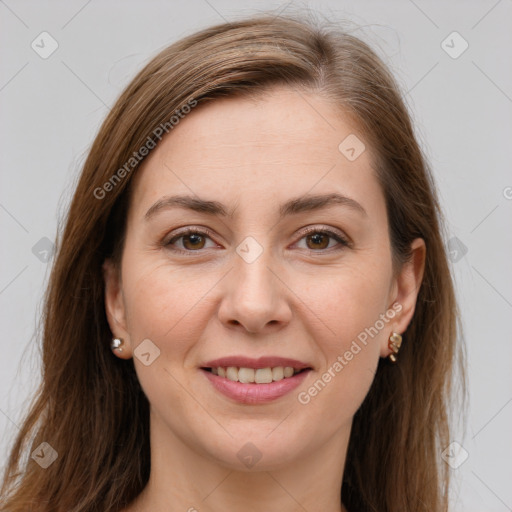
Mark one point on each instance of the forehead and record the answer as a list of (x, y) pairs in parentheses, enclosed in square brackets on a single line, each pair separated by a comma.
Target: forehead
[(280, 144)]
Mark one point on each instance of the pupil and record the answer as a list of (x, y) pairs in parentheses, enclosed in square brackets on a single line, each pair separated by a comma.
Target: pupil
[(194, 238), (317, 237)]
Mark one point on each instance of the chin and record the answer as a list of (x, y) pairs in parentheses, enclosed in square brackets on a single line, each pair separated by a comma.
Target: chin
[(249, 451)]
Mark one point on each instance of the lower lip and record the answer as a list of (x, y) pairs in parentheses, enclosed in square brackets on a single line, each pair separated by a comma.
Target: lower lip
[(255, 393)]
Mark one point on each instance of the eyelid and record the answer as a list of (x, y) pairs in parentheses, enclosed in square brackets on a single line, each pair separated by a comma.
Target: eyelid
[(333, 232), (200, 230)]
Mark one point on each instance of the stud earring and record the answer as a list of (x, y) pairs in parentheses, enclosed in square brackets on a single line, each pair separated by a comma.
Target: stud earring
[(116, 344), (395, 340)]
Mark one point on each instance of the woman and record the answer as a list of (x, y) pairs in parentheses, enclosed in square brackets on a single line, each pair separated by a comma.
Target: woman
[(251, 306)]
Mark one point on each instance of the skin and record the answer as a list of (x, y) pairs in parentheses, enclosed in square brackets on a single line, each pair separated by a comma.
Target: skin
[(301, 298)]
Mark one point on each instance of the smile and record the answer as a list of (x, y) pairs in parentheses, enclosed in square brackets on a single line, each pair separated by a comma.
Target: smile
[(255, 375), (255, 393)]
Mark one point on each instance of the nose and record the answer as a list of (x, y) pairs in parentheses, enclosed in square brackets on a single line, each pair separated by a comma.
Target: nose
[(255, 296)]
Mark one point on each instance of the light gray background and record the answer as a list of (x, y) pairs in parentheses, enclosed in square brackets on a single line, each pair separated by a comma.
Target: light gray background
[(51, 109)]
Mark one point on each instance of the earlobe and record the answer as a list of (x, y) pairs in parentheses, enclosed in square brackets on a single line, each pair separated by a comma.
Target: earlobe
[(114, 306), (406, 289)]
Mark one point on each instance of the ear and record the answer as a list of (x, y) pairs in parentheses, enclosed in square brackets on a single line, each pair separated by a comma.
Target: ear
[(115, 307), (404, 291)]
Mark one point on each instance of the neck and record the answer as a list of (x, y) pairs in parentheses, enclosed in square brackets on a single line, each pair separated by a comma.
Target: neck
[(183, 479)]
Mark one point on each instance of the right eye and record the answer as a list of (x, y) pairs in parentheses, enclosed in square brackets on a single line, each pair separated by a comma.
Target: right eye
[(192, 240)]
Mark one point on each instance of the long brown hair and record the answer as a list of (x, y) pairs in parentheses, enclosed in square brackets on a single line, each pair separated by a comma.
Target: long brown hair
[(90, 407)]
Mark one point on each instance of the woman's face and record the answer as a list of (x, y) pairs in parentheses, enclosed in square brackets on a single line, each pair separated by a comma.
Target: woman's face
[(275, 270)]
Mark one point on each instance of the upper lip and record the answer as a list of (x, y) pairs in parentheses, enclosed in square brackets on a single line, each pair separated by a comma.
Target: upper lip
[(262, 362)]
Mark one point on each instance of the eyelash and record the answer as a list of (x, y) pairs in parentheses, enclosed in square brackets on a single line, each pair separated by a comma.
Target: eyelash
[(203, 231)]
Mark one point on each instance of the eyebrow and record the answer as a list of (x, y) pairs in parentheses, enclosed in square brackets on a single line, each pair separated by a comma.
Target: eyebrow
[(306, 203)]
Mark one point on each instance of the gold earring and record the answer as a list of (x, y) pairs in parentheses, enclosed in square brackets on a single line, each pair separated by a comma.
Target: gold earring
[(116, 343), (395, 340)]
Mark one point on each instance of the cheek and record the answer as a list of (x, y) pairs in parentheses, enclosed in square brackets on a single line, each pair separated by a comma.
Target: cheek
[(354, 325), (349, 303), (169, 306), (165, 307)]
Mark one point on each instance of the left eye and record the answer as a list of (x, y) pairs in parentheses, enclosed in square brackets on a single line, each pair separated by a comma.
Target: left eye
[(194, 240), (320, 238)]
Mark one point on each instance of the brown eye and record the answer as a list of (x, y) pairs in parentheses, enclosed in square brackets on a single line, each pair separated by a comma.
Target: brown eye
[(190, 240), (318, 241), (193, 241)]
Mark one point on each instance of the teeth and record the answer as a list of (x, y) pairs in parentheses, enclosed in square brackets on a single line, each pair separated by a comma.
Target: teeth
[(245, 375), (263, 375), (288, 371), (258, 376), (278, 373), (232, 373)]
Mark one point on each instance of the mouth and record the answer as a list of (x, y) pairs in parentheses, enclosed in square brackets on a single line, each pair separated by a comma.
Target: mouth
[(251, 381), (247, 375)]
